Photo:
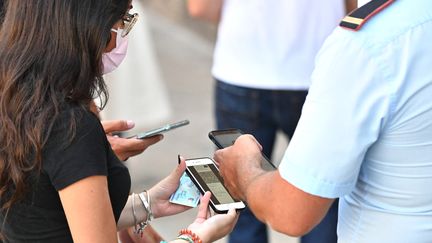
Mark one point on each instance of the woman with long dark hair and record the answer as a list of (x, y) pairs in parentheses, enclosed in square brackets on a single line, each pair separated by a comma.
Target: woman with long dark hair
[(59, 178)]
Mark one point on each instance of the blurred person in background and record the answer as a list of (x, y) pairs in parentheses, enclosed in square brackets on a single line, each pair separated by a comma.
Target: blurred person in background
[(60, 181), (364, 136), (263, 60)]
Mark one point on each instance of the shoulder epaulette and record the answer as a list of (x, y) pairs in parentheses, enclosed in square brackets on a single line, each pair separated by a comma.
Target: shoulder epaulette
[(357, 18)]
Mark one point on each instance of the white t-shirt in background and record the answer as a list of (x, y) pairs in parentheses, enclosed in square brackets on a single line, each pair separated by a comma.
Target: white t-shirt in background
[(272, 44), (362, 2)]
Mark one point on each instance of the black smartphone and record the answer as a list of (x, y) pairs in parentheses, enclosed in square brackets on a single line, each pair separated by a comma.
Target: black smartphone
[(226, 137), (205, 175), (160, 130)]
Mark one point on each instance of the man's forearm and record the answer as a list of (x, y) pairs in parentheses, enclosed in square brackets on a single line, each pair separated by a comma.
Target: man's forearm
[(284, 207)]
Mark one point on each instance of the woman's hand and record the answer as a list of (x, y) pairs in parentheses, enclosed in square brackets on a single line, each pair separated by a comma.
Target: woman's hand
[(126, 147), (162, 191), (212, 228)]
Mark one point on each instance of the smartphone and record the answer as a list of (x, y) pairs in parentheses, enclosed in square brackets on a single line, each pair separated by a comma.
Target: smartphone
[(226, 137), (160, 130), (205, 175)]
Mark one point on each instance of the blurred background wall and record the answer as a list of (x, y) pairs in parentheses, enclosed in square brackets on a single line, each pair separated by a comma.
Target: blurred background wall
[(176, 11)]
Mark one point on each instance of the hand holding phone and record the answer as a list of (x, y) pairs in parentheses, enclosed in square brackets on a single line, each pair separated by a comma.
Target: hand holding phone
[(161, 130), (205, 175), (123, 147), (186, 194), (226, 137)]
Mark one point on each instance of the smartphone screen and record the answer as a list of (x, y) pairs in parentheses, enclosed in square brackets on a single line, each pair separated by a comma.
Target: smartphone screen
[(226, 137), (206, 176)]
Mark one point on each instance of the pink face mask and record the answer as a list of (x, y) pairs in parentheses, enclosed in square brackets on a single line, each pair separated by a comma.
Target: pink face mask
[(111, 60)]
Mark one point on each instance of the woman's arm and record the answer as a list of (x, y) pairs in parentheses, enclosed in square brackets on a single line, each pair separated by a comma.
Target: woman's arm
[(127, 218), (88, 210), (160, 205)]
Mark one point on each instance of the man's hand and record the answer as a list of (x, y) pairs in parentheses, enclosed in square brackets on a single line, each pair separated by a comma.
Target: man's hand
[(292, 212), (126, 147), (240, 164)]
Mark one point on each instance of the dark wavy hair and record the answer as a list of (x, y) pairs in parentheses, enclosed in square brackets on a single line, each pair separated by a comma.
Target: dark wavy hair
[(51, 53), (2, 3)]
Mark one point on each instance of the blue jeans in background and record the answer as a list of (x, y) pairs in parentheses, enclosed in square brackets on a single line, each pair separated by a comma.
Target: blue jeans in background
[(262, 113)]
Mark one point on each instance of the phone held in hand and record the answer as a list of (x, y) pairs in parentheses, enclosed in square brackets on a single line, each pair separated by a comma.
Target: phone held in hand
[(205, 175), (226, 137), (161, 130)]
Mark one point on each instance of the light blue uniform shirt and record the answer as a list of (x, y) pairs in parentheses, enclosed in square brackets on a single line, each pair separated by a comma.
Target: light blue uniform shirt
[(365, 134)]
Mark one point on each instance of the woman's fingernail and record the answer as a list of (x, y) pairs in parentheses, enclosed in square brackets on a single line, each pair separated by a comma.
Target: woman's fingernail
[(179, 158), (130, 124)]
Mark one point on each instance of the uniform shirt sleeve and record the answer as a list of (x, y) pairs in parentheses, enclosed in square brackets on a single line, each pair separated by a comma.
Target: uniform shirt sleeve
[(343, 114), (87, 155)]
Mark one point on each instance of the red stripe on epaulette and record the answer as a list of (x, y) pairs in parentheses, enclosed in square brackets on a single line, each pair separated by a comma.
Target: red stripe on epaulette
[(370, 9)]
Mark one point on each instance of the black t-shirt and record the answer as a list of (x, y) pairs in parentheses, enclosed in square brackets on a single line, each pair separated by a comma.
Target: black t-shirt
[(40, 216)]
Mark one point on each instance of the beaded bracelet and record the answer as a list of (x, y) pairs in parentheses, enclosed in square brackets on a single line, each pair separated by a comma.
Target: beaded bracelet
[(190, 235)]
